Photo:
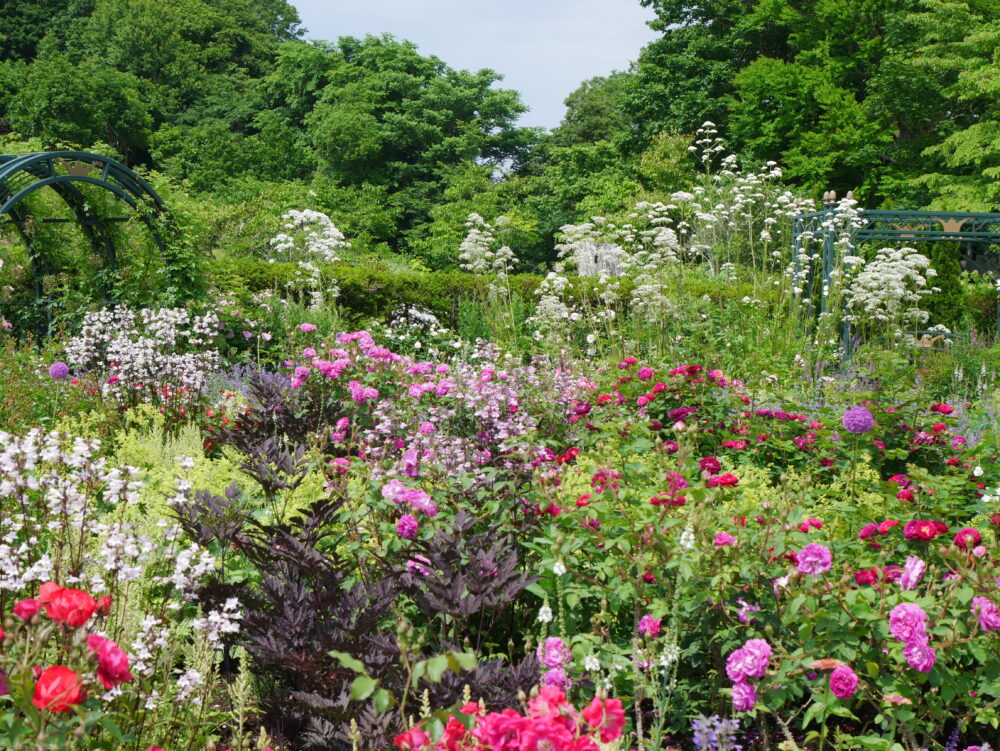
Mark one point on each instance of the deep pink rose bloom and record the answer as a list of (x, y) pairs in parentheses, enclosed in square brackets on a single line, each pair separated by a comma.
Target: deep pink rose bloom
[(26, 609), (407, 526), (913, 571), (814, 559), (744, 697), (843, 682), (608, 715), (112, 662), (723, 539), (920, 656), (749, 661), (649, 626), (710, 464), (989, 614), (908, 622)]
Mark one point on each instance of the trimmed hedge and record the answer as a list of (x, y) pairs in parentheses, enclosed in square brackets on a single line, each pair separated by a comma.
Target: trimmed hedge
[(368, 293)]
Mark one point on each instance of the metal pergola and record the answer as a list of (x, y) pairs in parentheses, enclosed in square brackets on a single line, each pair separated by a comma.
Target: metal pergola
[(23, 174), (979, 234)]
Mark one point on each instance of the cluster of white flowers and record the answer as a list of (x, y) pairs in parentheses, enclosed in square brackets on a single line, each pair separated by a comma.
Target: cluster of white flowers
[(480, 255), (148, 350), (314, 235), (312, 238), (152, 637), (224, 620), (890, 289)]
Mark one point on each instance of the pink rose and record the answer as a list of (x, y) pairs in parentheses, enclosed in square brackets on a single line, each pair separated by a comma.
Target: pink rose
[(843, 682), (724, 539), (920, 656), (989, 614), (907, 622), (814, 559), (744, 697), (913, 571)]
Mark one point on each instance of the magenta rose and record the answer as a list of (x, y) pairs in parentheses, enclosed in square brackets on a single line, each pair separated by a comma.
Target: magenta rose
[(989, 614), (553, 653), (814, 559), (649, 626), (744, 697), (843, 682), (920, 655), (908, 622)]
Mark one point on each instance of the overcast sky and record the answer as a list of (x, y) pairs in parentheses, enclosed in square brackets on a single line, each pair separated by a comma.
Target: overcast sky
[(543, 48)]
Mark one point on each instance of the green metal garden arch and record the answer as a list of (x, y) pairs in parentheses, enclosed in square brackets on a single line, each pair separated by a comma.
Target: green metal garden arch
[(23, 174)]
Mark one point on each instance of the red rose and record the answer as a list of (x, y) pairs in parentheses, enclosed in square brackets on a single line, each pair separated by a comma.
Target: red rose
[(968, 538), (921, 530), (944, 409), (57, 689), (884, 527), (104, 605), (46, 591), (74, 607), (27, 609), (727, 480), (891, 573), (866, 576), (905, 494)]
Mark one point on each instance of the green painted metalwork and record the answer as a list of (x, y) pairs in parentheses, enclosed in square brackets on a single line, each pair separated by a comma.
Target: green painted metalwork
[(979, 234), (23, 174)]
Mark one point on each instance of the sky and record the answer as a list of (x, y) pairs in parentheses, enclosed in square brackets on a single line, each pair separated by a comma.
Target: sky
[(543, 48)]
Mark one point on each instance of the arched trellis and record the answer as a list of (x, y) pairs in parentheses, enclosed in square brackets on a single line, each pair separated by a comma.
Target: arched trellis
[(23, 174), (978, 234)]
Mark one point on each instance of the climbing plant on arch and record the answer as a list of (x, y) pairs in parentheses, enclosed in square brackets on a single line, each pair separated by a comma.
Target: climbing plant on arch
[(75, 178)]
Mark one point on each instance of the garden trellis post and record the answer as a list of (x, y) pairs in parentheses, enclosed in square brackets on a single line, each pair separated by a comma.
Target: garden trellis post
[(977, 232)]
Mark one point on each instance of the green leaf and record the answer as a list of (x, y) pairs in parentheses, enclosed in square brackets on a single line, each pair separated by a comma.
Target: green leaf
[(362, 687), (458, 661), (351, 663), (435, 668), (383, 700)]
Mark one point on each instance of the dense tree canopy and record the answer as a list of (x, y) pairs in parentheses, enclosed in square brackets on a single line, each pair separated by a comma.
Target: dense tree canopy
[(896, 99)]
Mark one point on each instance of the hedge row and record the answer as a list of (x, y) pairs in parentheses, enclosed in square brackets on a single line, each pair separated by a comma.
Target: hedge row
[(367, 293)]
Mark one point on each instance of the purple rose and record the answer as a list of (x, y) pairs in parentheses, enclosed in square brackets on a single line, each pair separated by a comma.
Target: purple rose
[(858, 420), (553, 653), (913, 571), (58, 370), (814, 559), (744, 697), (989, 615), (920, 656), (908, 622), (556, 677), (843, 682), (307, 327), (407, 526)]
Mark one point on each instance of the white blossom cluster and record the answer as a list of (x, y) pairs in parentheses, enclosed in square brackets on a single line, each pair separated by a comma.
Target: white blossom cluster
[(312, 238), (224, 620), (890, 289), (148, 350)]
